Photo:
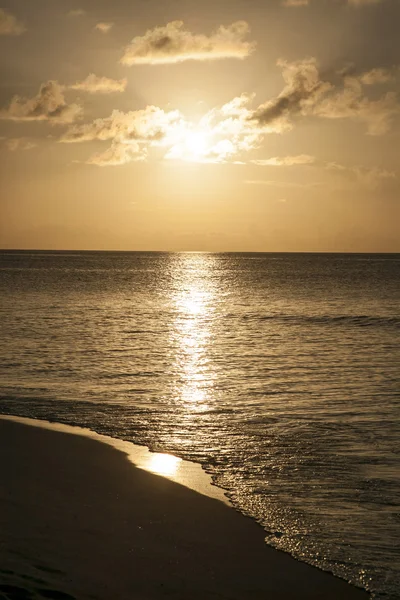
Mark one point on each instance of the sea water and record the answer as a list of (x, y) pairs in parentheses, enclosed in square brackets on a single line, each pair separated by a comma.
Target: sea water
[(279, 373)]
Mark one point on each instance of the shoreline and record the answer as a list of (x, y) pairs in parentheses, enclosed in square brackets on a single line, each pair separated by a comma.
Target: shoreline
[(184, 472), (79, 521)]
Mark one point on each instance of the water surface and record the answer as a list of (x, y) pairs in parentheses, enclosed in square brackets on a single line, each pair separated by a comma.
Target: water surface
[(279, 373)]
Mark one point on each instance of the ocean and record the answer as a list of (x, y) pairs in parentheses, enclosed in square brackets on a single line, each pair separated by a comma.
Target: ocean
[(278, 373)]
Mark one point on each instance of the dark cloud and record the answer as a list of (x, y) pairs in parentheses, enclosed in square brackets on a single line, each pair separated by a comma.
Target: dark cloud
[(303, 87), (48, 105)]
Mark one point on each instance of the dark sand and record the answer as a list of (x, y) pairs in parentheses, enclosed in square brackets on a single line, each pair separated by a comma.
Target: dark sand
[(78, 521)]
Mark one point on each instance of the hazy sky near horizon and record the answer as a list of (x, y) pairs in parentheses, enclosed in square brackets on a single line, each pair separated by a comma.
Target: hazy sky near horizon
[(248, 125)]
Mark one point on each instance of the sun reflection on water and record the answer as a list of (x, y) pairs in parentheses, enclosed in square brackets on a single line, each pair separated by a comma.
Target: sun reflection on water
[(194, 303)]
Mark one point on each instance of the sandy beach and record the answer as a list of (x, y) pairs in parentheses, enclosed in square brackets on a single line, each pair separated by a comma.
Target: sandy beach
[(79, 521)]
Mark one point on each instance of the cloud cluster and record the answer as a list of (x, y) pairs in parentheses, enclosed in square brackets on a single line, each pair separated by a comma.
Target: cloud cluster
[(130, 134), (224, 133), (235, 129), (174, 44), (220, 135), (100, 85), (48, 105), (307, 94), (9, 24)]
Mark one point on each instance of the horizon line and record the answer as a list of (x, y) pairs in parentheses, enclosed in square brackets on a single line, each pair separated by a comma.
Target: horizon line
[(197, 251)]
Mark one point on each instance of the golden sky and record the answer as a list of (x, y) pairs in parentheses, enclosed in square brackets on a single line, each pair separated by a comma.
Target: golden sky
[(248, 125)]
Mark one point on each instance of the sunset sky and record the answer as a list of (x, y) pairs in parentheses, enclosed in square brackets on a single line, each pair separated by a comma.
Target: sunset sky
[(240, 125)]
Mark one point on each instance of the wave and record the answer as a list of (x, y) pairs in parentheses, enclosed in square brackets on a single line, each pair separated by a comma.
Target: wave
[(351, 320)]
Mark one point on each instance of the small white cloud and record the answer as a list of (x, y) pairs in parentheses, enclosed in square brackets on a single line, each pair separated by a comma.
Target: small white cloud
[(284, 184), (368, 177), (286, 161), (376, 76), (351, 103), (14, 144), (77, 12), (100, 85), (104, 27), (9, 24), (118, 154), (174, 44), (363, 2), (296, 3)]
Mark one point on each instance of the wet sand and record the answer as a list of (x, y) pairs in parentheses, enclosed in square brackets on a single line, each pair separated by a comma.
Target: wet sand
[(79, 521)]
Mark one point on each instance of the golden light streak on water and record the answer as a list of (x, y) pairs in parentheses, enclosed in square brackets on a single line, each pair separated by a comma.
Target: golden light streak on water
[(195, 304)]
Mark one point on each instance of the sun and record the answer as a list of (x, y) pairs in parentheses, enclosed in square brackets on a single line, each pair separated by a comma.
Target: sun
[(193, 145), (196, 142)]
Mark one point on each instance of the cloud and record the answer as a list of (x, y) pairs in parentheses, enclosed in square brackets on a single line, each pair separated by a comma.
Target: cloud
[(77, 12), (14, 144), (337, 177), (350, 102), (307, 94), (131, 134), (369, 177), (220, 135), (104, 27), (9, 25), (174, 44), (296, 2), (303, 89), (376, 76), (286, 161), (118, 154), (225, 133), (100, 85), (363, 2), (151, 124), (48, 105), (284, 184)]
